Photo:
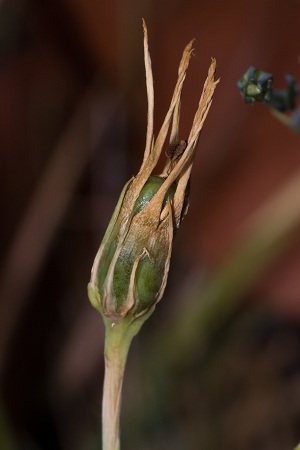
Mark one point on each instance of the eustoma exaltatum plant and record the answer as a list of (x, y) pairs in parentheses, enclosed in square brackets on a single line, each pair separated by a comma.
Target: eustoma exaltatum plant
[(129, 274)]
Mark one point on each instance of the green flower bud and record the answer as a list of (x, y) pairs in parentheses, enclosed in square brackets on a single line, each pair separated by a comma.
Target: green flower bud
[(130, 270), (256, 86)]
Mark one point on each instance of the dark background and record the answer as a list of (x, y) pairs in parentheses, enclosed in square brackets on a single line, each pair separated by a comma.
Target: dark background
[(72, 131)]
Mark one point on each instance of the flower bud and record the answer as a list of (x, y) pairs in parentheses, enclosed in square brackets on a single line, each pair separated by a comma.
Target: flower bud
[(130, 270), (256, 86)]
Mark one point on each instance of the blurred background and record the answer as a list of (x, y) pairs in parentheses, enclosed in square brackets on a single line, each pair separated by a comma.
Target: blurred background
[(217, 365)]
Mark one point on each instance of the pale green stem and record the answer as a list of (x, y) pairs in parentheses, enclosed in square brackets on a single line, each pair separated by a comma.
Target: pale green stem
[(116, 350), (118, 338)]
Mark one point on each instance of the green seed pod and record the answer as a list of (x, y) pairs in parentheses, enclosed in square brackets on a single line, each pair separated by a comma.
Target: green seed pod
[(129, 274)]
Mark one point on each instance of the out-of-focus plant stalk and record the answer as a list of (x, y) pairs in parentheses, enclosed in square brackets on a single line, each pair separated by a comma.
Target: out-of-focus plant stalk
[(267, 234), (130, 270)]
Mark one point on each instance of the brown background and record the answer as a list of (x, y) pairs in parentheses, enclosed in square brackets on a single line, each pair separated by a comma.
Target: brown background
[(72, 126)]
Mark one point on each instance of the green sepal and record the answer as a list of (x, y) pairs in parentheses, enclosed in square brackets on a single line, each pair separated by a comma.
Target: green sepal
[(93, 288)]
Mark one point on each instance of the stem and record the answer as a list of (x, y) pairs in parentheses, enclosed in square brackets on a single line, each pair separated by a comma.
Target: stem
[(118, 338)]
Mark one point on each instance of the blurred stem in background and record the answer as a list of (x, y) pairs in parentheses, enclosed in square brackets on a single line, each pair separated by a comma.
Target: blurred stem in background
[(6, 439), (208, 304)]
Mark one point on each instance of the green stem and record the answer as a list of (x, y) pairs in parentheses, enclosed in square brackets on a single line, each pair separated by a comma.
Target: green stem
[(116, 350), (118, 338)]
